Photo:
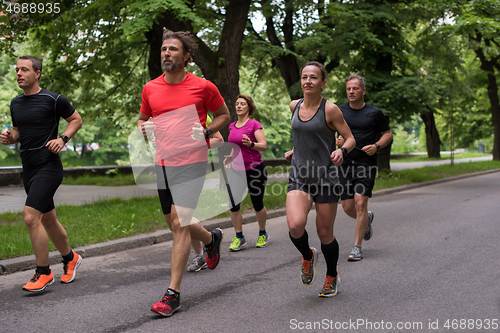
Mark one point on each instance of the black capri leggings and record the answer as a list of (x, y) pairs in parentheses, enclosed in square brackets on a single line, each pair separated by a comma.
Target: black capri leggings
[(256, 184)]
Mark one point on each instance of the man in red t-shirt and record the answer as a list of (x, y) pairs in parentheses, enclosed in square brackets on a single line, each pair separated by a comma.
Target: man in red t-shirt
[(177, 102)]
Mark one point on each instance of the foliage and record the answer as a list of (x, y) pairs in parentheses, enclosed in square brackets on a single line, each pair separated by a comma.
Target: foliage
[(418, 56)]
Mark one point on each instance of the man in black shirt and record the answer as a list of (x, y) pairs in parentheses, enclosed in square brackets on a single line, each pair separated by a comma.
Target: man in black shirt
[(357, 173), (35, 121)]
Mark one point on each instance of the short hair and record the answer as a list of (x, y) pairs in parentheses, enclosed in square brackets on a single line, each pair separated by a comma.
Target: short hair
[(356, 77), (319, 65), (37, 63), (251, 104), (188, 41)]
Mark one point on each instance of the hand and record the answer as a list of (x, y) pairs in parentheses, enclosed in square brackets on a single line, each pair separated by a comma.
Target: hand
[(246, 140), (288, 155), (148, 127), (6, 137), (340, 141), (227, 160), (369, 149), (198, 132), (337, 157), (55, 145)]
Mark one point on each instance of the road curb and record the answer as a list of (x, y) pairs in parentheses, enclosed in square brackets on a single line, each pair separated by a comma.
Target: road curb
[(13, 265)]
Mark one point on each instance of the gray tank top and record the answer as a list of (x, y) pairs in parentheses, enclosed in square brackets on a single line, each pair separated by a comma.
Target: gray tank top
[(313, 143)]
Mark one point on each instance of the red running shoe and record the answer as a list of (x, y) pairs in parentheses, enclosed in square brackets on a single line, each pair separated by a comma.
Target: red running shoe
[(170, 303), (213, 251)]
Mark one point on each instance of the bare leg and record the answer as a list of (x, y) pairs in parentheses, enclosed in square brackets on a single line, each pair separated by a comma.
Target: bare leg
[(357, 208), (237, 219), (38, 235), (56, 232)]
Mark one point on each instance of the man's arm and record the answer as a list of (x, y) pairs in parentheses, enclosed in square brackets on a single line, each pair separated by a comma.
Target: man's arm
[(384, 140), (10, 137), (145, 128), (74, 124), (221, 119)]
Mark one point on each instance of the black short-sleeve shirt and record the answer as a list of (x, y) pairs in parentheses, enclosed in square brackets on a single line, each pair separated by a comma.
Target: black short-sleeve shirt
[(365, 124), (37, 119)]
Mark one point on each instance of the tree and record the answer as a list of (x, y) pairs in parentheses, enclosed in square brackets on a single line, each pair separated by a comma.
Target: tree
[(479, 21), (101, 47), (221, 64)]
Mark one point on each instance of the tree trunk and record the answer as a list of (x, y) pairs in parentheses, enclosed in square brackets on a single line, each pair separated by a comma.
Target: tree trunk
[(154, 37), (384, 158), (495, 113), (489, 67), (433, 141)]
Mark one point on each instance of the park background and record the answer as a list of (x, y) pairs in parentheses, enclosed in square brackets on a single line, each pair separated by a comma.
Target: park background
[(431, 66)]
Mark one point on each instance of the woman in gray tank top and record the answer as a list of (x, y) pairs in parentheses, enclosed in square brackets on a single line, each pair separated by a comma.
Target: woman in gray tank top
[(313, 175)]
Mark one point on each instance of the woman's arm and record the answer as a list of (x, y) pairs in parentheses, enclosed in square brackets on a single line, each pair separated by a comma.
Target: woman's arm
[(335, 121)]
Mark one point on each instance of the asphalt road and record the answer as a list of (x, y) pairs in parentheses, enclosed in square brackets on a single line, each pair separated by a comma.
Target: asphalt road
[(433, 260)]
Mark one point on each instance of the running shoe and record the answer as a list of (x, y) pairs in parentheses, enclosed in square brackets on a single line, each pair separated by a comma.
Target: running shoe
[(237, 244), (369, 230), (356, 254), (39, 282), (198, 264), (170, 303), (213, 251), (330, 286), (70, 268), (308, 274), (262, 241)]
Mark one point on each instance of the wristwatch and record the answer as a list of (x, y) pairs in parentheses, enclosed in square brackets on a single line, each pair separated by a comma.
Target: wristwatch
[(377, 145), (208, 133), (252, 145), (64, 138), (344, 151)]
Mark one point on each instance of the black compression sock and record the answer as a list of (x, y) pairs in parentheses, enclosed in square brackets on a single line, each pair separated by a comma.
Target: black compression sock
[(43, 269), (70, 256), (302, 244), (331, 254)]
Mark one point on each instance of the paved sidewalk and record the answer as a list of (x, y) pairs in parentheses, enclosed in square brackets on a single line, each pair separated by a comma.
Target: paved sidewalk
[(86, 194)]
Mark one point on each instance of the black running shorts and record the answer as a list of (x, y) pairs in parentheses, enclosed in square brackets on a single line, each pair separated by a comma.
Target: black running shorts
[(41, 183), (356, 178), (180, 185)]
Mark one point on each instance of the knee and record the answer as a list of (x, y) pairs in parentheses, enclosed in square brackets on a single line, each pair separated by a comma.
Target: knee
[(31, 220), (296, 227), (177, 229), (361, 205), (347, 205), (325, 234)]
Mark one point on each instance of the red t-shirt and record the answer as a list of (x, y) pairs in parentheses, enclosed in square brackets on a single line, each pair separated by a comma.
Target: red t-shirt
[(175, 108)]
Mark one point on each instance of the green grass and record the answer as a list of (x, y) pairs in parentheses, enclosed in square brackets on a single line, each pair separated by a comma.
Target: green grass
[(424, 158), (116, 180), (128, 179), (411, 176), (116, 218)]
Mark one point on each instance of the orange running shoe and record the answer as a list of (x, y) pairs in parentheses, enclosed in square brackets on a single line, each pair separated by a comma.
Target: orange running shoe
[(70, 268), (39, 282)]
